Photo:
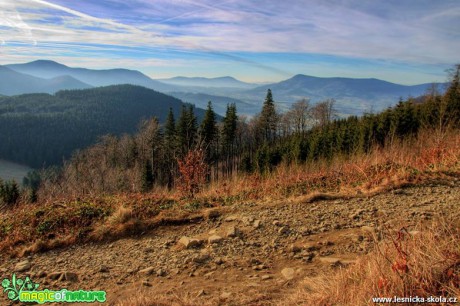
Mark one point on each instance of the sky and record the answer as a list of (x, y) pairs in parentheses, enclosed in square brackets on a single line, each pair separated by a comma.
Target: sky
[(401, 41)]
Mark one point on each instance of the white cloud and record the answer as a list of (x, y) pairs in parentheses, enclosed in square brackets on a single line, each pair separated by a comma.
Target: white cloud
[(422, 33)]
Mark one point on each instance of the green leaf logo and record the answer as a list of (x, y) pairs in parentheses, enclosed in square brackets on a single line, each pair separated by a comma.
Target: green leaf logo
[(15, 286)]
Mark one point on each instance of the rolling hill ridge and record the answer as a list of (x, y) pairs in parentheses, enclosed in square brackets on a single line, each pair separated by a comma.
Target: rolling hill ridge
[(51, 69), (353, 96), (54, 126)]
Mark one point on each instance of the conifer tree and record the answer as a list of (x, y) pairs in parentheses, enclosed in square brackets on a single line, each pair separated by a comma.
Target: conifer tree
[(186, 130), (208, 128), (170, 127), (9, 192), (453, 97), (192, 127), (229, 135), (181, 131), (170, 149), (208, 138), (147, 176), (229, 128), (268, 120)]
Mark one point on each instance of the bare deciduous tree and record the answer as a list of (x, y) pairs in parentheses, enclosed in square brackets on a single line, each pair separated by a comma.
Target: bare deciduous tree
[(301, 115), (324, 112)]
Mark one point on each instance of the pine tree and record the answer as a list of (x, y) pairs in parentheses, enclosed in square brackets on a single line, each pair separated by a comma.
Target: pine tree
[(192, 127), (208, 137), (406, 119), (186, 130), (170, 127), (170, 149), (147, 177), (229, 128), (31, 183), (229, 136), (208, 129), (268, 120), (453, 97), (181, 131), (9, 192)]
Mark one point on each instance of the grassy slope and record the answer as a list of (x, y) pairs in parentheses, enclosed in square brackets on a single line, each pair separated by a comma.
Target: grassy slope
[(95, 218), (406, 264)]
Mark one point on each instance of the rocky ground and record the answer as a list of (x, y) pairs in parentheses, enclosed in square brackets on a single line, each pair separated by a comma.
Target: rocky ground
[(251, 254)]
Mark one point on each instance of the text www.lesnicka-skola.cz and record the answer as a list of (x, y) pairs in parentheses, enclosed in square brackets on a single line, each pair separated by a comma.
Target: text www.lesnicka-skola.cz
[(415, 299)]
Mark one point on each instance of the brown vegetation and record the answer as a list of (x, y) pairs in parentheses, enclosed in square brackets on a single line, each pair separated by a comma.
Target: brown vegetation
[(404, 264), (62, 221)]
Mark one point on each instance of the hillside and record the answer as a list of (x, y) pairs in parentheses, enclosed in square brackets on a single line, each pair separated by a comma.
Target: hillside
[(364, 203), (42, 129), (13, 83), (258, 254)]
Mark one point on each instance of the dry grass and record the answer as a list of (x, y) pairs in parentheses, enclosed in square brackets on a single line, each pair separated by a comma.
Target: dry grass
[(121, 215), (423, 263), (63, 221), (29, 229), (398, 165)]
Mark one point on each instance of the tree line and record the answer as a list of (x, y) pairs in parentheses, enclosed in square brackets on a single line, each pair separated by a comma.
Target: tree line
[(184, 149)]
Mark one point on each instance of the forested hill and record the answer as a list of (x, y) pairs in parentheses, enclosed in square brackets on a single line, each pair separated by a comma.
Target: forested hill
[(43, 129)]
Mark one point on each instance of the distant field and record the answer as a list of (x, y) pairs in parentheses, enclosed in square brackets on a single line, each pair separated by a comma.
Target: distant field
[(9, 170)]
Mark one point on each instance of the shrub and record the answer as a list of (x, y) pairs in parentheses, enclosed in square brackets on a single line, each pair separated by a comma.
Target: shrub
[(193, 171), (9, 192)]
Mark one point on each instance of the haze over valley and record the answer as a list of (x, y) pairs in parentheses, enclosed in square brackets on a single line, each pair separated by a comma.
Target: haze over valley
[(353, 96), (41, 88)]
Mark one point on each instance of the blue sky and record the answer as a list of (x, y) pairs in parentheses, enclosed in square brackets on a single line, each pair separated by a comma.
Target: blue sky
[(405, 41)]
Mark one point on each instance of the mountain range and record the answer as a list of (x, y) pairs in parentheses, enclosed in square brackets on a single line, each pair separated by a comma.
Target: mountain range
[(50, 69), (353, 96), (14, 83)]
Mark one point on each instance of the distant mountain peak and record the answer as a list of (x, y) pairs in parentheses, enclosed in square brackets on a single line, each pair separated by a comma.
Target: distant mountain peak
[(303, 76), (47, 63), (300, 75)]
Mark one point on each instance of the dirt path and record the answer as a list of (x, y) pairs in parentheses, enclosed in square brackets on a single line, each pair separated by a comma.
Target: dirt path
[(252, 254)]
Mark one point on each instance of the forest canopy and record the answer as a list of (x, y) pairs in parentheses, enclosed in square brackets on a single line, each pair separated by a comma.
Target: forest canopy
[(42, 130)]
